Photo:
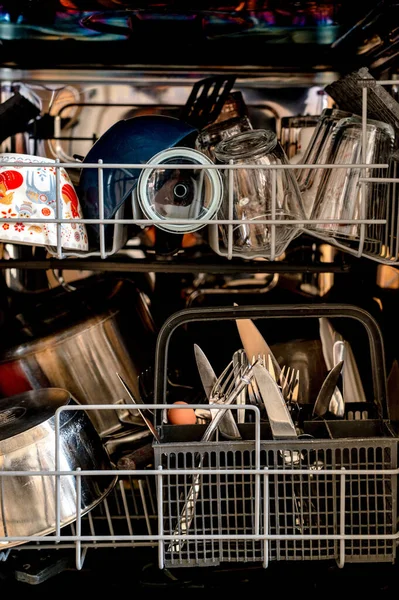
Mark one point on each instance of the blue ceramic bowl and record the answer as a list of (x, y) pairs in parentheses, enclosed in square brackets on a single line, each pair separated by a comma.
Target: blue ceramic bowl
[(133, 141)]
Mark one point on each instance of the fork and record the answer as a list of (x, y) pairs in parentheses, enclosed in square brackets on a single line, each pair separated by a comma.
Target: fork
[(239, 362), (290, 381), (226, 391)]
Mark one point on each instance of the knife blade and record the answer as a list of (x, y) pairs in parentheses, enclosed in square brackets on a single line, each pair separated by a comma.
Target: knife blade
[(282, 427), (227, 426), (278, 414), (254, 343), (142, 411)]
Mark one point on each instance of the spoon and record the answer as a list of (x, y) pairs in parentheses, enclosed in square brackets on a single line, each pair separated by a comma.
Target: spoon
[(337, 403), (322, 403)]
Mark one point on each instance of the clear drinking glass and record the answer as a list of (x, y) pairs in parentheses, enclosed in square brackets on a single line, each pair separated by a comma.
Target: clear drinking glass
[(292, 133), (210, 136), (253, 193), (388, 208), (316, 154), (340, 194)]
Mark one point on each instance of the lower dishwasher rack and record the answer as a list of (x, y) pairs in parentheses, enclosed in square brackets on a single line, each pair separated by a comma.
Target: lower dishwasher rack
[(253, 502), (328, 495), (128, 511)]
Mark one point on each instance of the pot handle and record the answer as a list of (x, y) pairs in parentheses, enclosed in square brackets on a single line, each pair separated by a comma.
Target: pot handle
[(58, 274)]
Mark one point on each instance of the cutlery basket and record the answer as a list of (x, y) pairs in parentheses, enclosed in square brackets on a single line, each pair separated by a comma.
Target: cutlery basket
[(331, 495)]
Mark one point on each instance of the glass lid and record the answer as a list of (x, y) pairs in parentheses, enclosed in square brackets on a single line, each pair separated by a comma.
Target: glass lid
[(175, 192)]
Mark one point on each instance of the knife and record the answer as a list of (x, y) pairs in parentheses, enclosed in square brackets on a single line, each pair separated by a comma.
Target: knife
[(227, 426), (278, 414), (254, 343), (142, 411), (283, 427)]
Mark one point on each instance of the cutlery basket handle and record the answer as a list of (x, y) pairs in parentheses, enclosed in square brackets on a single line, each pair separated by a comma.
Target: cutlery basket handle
[(223, 313)]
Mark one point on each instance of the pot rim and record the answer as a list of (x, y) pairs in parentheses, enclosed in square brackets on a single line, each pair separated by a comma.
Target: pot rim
[(55, 339), (41, 430)]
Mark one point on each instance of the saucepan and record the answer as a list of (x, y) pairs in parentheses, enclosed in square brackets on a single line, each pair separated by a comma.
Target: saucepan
[(78, 341), (27, 443)]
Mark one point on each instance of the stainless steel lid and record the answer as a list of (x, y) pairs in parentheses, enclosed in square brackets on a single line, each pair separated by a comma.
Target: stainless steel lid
[(23, 412)]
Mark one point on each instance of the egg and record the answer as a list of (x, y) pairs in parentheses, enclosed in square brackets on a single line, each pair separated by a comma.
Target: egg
[(180, 416)]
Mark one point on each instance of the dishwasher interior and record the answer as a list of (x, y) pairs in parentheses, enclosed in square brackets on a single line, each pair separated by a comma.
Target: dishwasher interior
[(199, 257)]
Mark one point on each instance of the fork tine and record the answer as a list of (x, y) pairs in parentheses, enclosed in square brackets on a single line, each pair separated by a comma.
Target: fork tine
[(291, 383), (295, 390), (221, 381), (283, 377), (286, 378), (290, 377), (270, 367)]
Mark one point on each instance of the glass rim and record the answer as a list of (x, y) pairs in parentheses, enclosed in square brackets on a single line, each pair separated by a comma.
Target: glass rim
[(357, 120), (264, 141), (222, 126), (158, 161)]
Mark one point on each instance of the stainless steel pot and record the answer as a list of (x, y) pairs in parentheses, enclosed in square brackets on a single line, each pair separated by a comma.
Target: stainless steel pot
[(27, 443), (80, 344)]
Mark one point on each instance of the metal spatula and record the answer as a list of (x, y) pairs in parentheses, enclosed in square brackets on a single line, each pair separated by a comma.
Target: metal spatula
[(206, 100)]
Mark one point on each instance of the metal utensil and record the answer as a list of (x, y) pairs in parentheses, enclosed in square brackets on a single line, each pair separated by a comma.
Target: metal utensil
[(289, 381), (278, 414), (206, 100), (253, 342), (227, 427), (144, 413), (224, 387), (282, 427), (239, 361), (322, 403), (351, 380), (337, 403)]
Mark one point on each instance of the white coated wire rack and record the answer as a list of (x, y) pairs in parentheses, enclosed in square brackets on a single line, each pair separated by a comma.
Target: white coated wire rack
[(250, 504), (382, 222)]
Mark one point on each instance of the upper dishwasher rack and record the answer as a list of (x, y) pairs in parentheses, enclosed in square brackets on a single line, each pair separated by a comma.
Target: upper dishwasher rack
[(383, 225)]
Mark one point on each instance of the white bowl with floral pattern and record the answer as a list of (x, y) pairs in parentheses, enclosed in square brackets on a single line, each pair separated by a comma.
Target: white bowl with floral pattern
[(28, 191)]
